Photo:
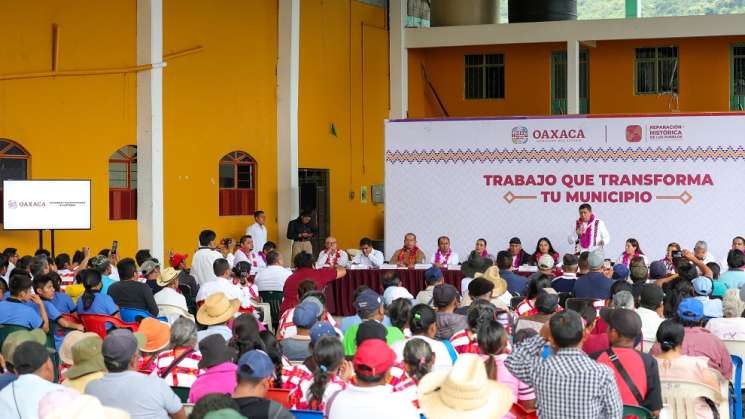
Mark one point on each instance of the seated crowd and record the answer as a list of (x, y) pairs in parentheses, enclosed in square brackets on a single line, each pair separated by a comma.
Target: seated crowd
[(240, 335)]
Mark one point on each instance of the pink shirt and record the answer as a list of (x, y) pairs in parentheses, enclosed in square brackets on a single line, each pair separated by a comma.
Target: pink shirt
[(220, 378), (687, 368), (727, 328), (520, 390), (700, 342)]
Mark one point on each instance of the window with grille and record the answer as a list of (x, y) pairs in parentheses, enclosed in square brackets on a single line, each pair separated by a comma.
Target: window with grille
[(657, 70), (559, 82), (237, 184), (737, 88), (13, 165), (484, 76), (123, 184)]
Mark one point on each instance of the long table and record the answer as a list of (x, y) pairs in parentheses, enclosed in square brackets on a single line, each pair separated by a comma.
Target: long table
[(340, 293)]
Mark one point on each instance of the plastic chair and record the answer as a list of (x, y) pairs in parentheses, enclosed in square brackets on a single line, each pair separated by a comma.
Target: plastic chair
[(97, 323), (274, 299), (135, 315), (279, 395), (647, 345), (736, 389), (307, 414), (171, 313), (736, 347), (182, 393), (267, 315), (679, 397), (638, 411)]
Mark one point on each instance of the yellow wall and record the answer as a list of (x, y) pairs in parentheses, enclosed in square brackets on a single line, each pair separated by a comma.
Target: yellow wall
[(70, 125), (219, 100), (344, 81), (704, 78)]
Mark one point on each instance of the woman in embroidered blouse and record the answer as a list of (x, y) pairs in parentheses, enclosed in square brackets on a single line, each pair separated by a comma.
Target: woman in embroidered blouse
[(313, 392)]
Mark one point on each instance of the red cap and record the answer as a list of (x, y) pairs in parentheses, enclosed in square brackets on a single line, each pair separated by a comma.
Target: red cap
[(177, 258), (373, 357)]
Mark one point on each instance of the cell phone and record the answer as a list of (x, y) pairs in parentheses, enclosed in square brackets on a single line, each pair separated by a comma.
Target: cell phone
[(227, 241), (677, 254), (114, 247), (607, 264)]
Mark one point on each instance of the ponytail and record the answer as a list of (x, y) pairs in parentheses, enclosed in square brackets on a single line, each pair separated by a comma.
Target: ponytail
[(418, 358), (271, 347), (328, 353), (491, 337), (320, 380), (90, 279), (491, 368), (246, 335)]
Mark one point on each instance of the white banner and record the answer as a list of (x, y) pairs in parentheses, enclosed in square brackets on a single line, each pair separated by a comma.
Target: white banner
[(47, 204), (658, 179)]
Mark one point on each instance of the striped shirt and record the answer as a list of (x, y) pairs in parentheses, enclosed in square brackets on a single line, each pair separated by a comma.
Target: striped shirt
[(408, 388), (526, 308), (67, 277), (300, 396), (182, 375), (293, 375), (464, 343), (287, 328)]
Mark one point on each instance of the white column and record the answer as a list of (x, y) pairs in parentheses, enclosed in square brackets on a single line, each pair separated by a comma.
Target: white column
[(150, 127), (399, 93), (288, 69), (572, 77)]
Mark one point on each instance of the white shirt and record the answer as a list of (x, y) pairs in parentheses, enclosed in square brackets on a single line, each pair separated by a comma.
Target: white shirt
[(252, 258), (272, 278), (375, 260), (114, 275), (620, 260), (25, 392), (217, 329), (727, 328), (10, 269), (452, 260), (170, 296), (323, 259), (258, 234), (442, 355), (222, 285), (201, 265), (650, 323), (602, 235), (371, 403)]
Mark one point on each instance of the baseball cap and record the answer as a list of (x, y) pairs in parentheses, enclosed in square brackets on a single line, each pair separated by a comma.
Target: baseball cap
[(691, 309), (148, 266), (702, 285), (625, 321), (120, 346), (432, 275), (595, 260), (444, 294), (367, 302), (255, 365), (374, 357), (315, 301), (321, 329), (370, 329), (177, 258), (657, 270), (546, 262), (305, 315), (99, 262), (620, 271)]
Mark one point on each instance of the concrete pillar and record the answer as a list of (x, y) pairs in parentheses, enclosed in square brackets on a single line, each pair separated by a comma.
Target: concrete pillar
[(572, 77), (399, 70), (288, 72), (150, 127)]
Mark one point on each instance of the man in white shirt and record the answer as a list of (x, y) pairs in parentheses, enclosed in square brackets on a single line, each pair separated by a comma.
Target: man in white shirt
[(701, 251), (331, 256), (169, 294), (273, 277), (258, 230), (20, 398), (221, 283), (370, 397), (204, 258), (650, 310), (444, 256), (12, 254), (590, 232), (245, 253), (368, 256)]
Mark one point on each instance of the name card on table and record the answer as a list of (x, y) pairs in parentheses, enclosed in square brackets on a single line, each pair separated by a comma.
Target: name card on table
[(422, 266), (358, 267), (527, 268), (388, 266)]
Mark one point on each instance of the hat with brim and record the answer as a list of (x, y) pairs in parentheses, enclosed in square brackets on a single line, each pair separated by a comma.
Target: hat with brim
[(87, 357), (73, 337), (492, 275), (474, 264), (158, 334), (463, 392), (15, 339), (215, 351), (167, 276), (217, 309)]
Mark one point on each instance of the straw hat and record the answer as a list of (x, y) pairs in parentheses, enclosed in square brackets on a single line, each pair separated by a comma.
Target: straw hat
[(167, 276), (492, 274), (217, 309), (463, 392), (157, 333), (73, 337)]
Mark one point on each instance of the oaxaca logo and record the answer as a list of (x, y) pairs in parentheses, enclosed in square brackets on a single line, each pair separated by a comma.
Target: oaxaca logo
[(26, 204), (634, 133), (12, 204), (558, 134), (519, 135)]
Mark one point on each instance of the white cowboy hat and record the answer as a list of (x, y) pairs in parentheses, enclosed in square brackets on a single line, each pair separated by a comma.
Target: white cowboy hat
[(492, 275), (463, 392)]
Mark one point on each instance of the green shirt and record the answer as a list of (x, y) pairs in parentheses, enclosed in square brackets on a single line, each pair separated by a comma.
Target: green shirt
[(350, 338)]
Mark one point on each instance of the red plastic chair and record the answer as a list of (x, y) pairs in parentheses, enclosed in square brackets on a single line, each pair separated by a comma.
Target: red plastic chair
[(96, 323), (279, 395), (523, 413)]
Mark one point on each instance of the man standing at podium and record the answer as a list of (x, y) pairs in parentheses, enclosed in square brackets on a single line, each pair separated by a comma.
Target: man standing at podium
[(589, 232)]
